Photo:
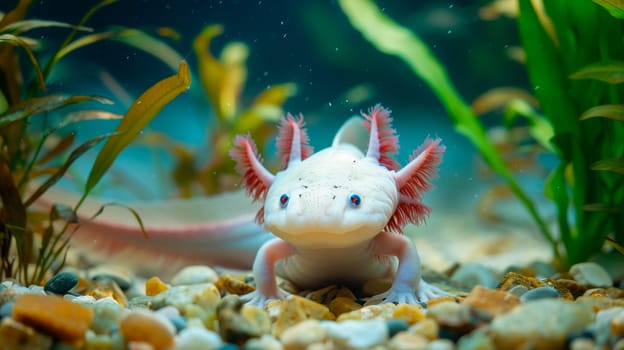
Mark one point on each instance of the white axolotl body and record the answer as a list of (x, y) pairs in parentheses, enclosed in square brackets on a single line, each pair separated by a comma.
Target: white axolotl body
[(338, 213)]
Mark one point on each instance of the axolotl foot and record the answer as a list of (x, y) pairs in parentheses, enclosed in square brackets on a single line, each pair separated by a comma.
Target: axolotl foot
[(406, 295), (258, 299)]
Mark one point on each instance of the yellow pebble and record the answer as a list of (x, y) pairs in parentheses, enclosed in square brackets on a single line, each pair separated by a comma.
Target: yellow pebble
[(411, 313), (341, 305), (155, 286)]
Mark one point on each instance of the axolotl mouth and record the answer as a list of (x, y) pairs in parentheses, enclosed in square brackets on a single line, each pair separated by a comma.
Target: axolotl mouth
[(335, 198)]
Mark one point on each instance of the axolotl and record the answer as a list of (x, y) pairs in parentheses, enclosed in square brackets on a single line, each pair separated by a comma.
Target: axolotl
[(338, 214)]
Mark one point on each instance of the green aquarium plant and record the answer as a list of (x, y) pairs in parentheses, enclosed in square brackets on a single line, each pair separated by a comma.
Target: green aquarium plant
[(210, 170), (574, 59), (33, 241)]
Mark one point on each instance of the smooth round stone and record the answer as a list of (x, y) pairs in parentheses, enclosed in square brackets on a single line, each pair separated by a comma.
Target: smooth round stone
[(473, 274), (540, 293), (61, 283), (395, 326), (179, 322), (120, 275), (357, 334), (518, 290), (195, 274), (591, 274), (476, 340), (144, 326), (6, 310), (304, 334), (198, 338), (541, 324), (265, 342)]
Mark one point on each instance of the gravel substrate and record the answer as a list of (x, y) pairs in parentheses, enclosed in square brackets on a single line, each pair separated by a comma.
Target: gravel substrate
[(108, 308)]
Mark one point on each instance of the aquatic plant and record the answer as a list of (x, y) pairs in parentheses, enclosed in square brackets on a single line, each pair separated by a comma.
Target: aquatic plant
[(223, 79), (572, 53), (31, 162)]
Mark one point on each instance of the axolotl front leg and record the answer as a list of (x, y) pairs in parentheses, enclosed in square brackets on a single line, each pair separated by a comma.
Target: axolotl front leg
[(264, 272), (408, 286)]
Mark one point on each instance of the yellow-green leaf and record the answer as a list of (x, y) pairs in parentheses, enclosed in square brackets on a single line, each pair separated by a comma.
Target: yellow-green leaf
[(615, 7), (612, 164), (36, 105), (615, 112), (142, 111), (611, 72), (17, 41), (30, 24), (149, 44)]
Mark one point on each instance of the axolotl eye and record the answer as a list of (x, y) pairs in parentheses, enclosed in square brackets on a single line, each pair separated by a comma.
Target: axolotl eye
[(284, 200), (355, 200)]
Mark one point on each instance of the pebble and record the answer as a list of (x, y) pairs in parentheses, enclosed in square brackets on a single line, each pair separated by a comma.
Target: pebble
[(582, 344), (383, 311), (118, 274), (61, 283), (441, 344), (410, 313), (198, 338), (233, 285), (204, 295), (472, 274), (518, 290), (155, 286), (106, 288), (287, 313), (476, 340), (147, 327), (16, 336), (427, 328), (341, 305), (53, 315), (107, 315), (265, 342), (539, 293), (357, 334), (304, 334), (195, 274), (239, 322), (396, 326), (408, 341), (591, 274), (492, 302), (6, 310), (542, 324)]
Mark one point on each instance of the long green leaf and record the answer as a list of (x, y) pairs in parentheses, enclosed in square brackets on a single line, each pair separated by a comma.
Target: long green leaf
[(615, 112), (612, 164), (30, 24), (75, 154), (609, 72), (615, 7), (142, 111), (36, 105), (149, 44), (17, 41), (391, 38)]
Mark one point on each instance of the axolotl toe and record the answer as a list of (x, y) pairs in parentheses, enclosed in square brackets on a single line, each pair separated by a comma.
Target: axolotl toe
[(338, 213)]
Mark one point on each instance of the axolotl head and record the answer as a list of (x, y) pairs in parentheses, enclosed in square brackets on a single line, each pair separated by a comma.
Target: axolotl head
[(339, 196)]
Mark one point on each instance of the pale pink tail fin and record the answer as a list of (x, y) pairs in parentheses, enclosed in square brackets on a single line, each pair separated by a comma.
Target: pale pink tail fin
[(413, 180)]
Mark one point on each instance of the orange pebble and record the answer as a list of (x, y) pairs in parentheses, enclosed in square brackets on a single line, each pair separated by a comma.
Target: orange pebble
[(53, 315), (155, 286)]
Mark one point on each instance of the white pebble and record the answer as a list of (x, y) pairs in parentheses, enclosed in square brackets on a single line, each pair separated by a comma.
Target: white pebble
[(197, 338), (195, 274), (353, 334)]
